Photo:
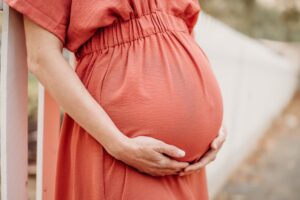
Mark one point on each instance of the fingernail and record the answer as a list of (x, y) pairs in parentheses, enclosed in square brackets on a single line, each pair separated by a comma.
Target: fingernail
[(181, 153)]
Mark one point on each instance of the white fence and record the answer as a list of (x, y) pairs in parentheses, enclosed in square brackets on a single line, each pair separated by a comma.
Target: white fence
[(14, 117), (256, 83), (13, 109)]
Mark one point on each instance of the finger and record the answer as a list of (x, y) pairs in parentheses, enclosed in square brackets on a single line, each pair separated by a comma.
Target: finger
[(193, 167), (167, 163), (189, 172), (207, 159), (173, 164), (164, 172), (209, 156), (170, 150), (219, 140), (168, 172), (216, 144), (153, 171)]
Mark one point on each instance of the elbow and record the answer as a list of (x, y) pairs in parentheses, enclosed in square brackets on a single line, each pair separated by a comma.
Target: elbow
[(39, 60), (35, 61)]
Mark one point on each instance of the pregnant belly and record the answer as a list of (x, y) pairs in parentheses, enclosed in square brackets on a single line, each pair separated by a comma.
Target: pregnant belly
[(186, 121), (171, 95), (183, 109)]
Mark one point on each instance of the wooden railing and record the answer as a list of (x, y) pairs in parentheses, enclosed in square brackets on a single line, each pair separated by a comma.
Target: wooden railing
[(13, 108), (14, 118)]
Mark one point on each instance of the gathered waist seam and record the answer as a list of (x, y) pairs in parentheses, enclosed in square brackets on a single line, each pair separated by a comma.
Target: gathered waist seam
[(122, 32)]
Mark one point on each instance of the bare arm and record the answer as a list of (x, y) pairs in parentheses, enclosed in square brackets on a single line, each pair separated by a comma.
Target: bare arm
[(46, 62)]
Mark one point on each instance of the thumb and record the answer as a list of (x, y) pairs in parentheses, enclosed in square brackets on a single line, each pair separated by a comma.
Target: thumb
[(170, 150)]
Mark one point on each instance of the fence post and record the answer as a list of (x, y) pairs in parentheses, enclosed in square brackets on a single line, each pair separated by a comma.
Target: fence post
[(14, 117), (47, 143)]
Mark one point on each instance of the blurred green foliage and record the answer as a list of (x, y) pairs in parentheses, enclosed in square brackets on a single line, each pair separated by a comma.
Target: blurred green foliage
[(32, 102), (255, 20)]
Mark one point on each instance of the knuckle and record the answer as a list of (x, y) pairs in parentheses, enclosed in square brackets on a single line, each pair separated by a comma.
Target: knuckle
[(159, 146), (161, 163), (137, 151), (176, 166), (160, 143), (173, 166)]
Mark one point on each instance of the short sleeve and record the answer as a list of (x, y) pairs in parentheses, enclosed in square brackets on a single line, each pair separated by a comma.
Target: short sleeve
[(191, 15), (52, 15)]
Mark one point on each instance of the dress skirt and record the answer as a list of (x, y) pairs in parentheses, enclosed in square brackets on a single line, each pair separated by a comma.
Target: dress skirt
[(152, 79)]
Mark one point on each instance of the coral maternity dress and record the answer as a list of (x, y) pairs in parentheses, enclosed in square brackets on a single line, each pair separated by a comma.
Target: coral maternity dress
[(139, 60)]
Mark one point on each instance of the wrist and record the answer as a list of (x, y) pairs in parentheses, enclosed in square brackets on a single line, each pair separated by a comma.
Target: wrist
[(117, 145)]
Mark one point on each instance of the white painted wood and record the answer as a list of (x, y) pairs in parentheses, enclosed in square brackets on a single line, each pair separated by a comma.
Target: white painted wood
[(40, 141), (256, 83), (47, 141), (14, 134)]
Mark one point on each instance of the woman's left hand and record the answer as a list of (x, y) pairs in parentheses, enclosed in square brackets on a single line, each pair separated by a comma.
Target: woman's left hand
[(209, 156)]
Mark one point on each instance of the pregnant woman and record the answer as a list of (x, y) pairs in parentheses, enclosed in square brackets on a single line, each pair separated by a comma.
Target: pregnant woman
[(143, 110)]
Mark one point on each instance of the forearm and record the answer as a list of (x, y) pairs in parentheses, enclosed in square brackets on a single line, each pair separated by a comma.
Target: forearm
[(61, 81)]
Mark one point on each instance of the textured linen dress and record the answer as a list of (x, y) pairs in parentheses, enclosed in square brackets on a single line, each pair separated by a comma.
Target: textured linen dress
[(139, 60)]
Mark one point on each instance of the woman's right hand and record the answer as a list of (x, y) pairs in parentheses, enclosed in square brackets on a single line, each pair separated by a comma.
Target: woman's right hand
[(149, 155)]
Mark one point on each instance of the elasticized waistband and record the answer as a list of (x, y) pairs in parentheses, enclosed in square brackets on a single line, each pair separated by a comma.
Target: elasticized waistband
[(135, 28)]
